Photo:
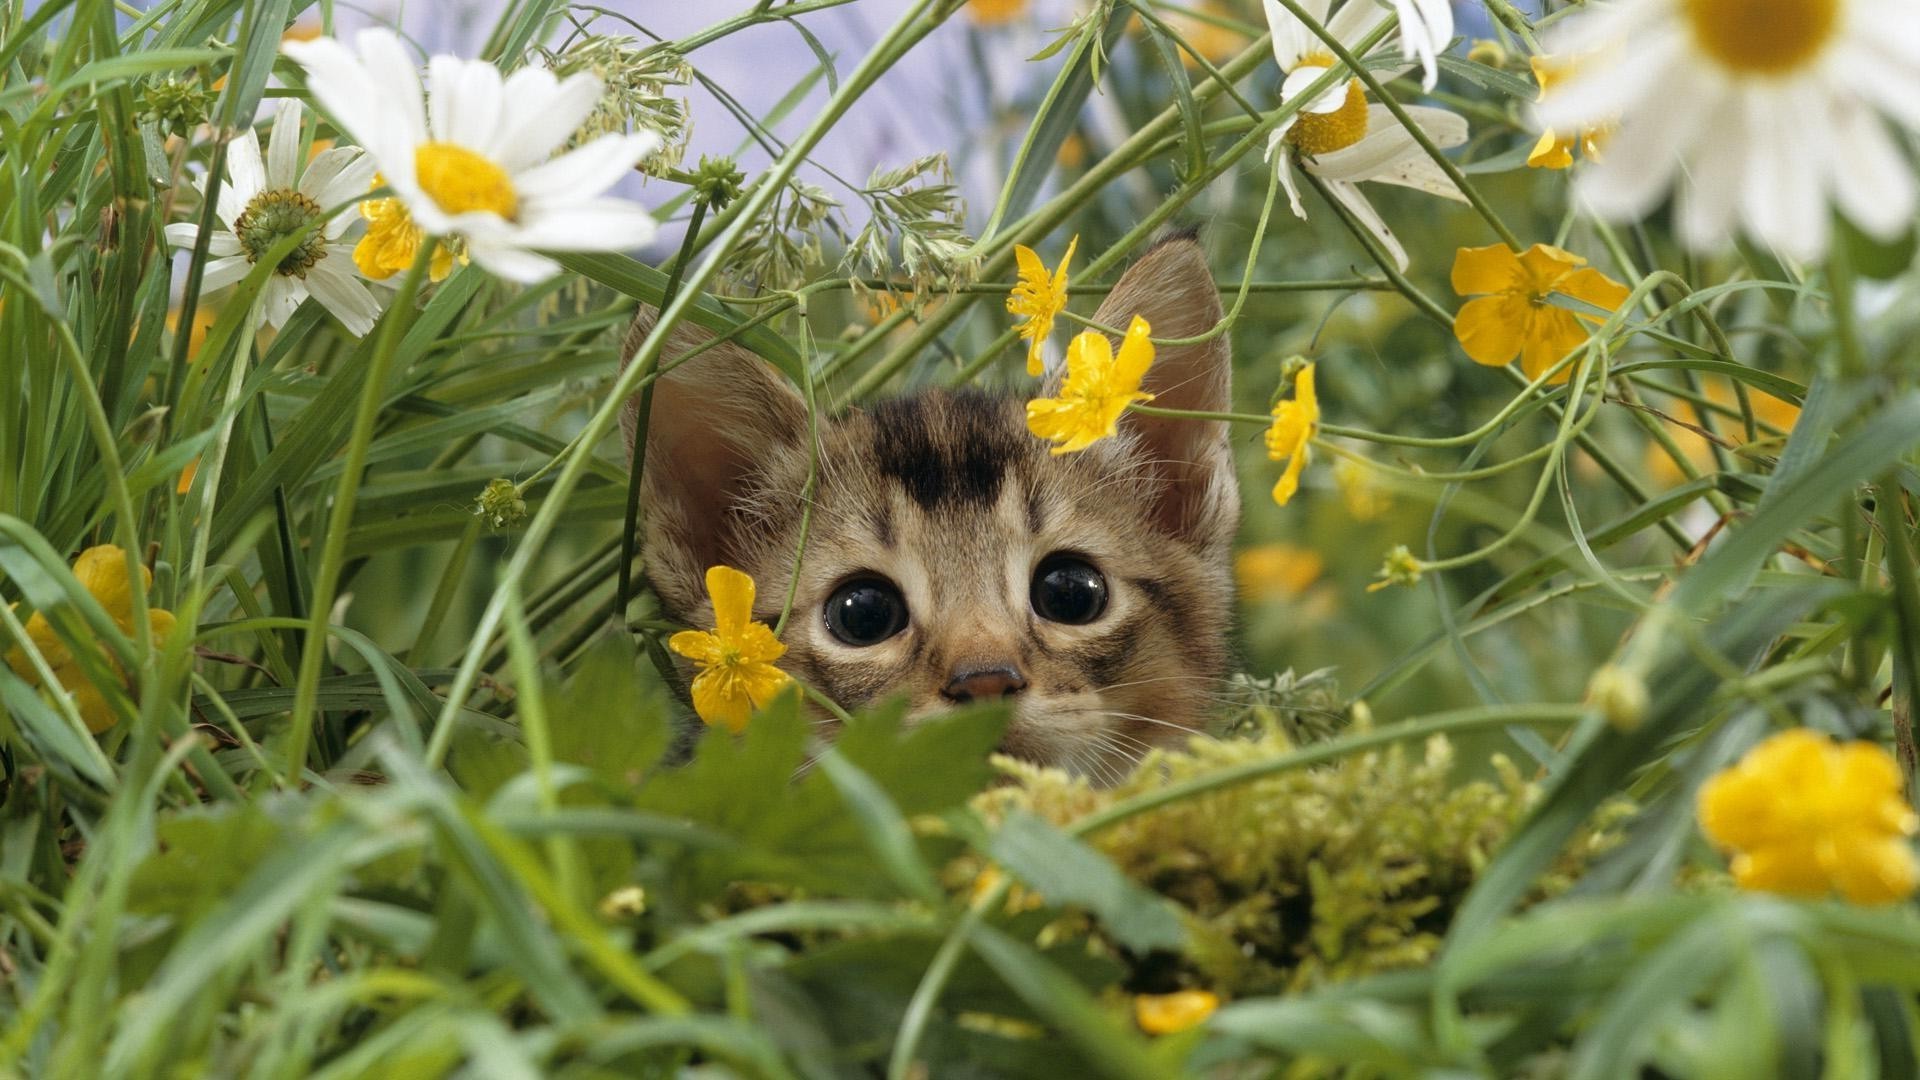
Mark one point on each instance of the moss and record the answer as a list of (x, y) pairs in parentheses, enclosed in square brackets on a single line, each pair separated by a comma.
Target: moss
[(1309, 875)]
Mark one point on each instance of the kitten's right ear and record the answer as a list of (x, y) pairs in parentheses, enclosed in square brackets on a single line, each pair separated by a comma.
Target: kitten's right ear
[(714, 418)]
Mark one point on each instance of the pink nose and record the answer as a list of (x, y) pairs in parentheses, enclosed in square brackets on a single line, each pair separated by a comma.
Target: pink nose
[(983, 684)]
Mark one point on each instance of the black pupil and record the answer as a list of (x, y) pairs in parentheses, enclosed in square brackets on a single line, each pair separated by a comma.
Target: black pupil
[(1068, 591), (866, 612)]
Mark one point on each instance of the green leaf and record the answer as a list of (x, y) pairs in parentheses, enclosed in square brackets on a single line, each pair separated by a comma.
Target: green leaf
[(1880, 260), (1066, 871), (608, 718)]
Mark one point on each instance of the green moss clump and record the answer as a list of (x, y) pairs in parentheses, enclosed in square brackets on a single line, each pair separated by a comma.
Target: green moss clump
[(1309, 875)]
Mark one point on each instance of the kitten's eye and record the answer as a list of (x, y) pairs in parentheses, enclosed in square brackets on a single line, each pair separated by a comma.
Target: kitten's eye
[(866, 611), (1067, 589)]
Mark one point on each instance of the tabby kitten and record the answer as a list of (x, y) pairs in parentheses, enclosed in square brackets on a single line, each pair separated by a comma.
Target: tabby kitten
[(951, 557)]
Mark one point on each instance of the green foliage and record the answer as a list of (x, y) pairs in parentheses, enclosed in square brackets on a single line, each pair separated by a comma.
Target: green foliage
[(407, 791)]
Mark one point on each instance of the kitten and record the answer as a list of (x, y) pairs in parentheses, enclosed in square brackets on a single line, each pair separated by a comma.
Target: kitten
[(951, 557)]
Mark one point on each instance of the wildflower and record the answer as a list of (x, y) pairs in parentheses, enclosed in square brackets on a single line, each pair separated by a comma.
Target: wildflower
[(263, 202), (392, 241), (1620, 695), (737, 674), (1806, 816), (1294, 422), (996, 12), (1276, 571), (1166, 1014), (478, 164), (1514, 317), (1341, 138), (1697, 448), (102, 571), (187, 474), (500, 504), (1039, 299), (1554, 150), (1365, 499), (1400, 568), (1098, 388), (1762, 109)]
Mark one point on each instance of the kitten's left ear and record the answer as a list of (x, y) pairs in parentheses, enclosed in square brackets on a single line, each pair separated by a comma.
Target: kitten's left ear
[(1198, 498)]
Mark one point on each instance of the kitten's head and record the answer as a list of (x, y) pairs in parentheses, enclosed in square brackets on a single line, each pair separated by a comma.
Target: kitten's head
[(950, 557)]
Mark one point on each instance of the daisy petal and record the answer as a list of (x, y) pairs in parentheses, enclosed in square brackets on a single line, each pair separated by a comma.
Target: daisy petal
[(246, 173), (464, 107), (283, 144), (1356, 203), (507, 261), (342, 293), (588, 171), (588, 225), (1874, 187), (539, 114), (223, 272)]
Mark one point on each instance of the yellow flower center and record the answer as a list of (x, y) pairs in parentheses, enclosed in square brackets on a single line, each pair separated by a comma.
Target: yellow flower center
[(1763, 37), (461, 181), (1323, 133)]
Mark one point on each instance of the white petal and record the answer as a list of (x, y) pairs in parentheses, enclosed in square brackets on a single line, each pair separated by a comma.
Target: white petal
[(540, 114), (1291, 40), (513, 263), (1618, 82), (183, 234), (246, 173), (1304, 76), (1386, 142), (1875, 72), (465, 103), (1426, 29), (1418, 171), (223, 272), (393, 82), (283, 144), (1285, 165), (343, 294), (336, 175), (1709, 194), (1782, 201), (1643, 153), (588, 171), (588, 225), (1871, 180), (1354, 20), (1357, 204), (283, 296)]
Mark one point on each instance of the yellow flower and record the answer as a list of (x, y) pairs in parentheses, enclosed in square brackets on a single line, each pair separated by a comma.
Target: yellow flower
[(996, 12), (1400, 568), (1805, 816), (1767, 410), (1166, 1014), (1098, 388), (1039, 298), (737, 674), (1554, 150), (393, 240), (102, 571), (1276, 571), (1515, 318), (1294, 422)]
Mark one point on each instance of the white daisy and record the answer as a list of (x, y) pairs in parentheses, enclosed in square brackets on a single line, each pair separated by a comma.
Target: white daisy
[(475, 158), (261, 202), (1341, 137), (1763, 108)]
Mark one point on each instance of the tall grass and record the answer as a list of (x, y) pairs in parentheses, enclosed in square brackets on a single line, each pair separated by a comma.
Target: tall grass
[(390, 800)]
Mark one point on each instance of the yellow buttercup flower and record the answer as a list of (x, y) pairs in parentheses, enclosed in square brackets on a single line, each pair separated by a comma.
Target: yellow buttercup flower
[(1166, 1014), (102, 571), (1098, 388), (1515, 316), (1554, 150), (1361, 491), (1039, 298), (393, 240), (1294, 422), (1276, 571), (737, 674), (1805, 816)]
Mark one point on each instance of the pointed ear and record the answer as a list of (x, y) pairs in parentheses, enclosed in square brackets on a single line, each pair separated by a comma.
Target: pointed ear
[(717, 422), (1198, 498)]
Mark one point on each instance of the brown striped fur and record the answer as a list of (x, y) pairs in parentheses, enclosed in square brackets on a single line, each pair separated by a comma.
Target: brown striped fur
[(949, 496)]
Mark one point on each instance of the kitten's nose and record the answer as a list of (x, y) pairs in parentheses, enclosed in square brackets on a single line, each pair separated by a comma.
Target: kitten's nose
[(983, 684)]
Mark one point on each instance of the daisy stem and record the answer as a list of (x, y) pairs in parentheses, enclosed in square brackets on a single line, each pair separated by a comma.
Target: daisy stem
[(1418, 134), (643, 413), (334, 547)]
